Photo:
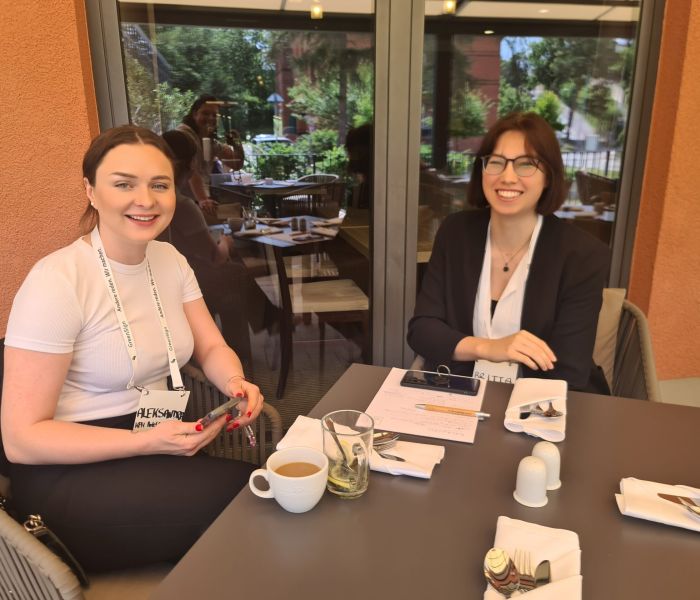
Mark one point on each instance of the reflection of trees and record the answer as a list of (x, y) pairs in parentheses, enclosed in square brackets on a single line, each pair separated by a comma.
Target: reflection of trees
[(229, 63), (333, 77)]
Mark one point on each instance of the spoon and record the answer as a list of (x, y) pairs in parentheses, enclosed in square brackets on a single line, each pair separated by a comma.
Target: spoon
[(384, 439), (334, 435), (500, 572), (693, 509), (536, 409), (389, 456)]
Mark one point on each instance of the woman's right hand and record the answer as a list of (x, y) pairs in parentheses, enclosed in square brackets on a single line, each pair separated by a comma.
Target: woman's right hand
[(522, 347), (183, 439), (208, 206)]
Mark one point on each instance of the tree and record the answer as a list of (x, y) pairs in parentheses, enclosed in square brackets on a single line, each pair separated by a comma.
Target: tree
[(565, 65), (329, 64), (549, 108), (512, 99), (468, 113)]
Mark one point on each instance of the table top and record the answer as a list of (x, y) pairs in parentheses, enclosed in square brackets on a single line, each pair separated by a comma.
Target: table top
[(414, 539), (263, 187), (282, 240)]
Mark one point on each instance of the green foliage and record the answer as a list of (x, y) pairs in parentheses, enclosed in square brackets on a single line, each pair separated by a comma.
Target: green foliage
[(459, 163), (156, 107), (511, 99), (602, 110), (549, 108), (229, 63), (468, 113), (426, 154), (335, 161), (317, 141), (280, 161)]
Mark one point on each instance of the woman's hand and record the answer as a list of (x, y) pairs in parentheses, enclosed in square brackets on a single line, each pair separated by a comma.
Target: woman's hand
[(208, 206), (183, 439), (251, 401), (522, 347)]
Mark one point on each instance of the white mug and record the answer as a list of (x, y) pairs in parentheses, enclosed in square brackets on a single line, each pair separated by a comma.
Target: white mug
[(295, 494)]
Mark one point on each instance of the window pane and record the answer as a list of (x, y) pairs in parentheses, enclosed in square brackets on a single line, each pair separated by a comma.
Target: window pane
[(287, 141), (570, 62)]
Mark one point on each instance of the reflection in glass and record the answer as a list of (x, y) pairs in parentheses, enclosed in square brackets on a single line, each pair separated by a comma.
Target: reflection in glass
[(294, 98)]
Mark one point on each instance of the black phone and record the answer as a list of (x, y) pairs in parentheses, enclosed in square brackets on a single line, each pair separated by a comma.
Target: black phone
[(441, 382)]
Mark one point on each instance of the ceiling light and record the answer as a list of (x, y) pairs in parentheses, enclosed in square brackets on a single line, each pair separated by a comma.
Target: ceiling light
[(316, 10), (449, 7), (489, 32)]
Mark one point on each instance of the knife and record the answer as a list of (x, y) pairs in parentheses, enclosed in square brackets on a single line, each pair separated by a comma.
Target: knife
[(678, 499)]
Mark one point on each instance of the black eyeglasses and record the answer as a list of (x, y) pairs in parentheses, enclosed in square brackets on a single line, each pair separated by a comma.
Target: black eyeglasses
[(524, 166)]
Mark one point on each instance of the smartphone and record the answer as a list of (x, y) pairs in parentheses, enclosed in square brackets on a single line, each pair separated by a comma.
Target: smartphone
[(219, 411), (441, 382)]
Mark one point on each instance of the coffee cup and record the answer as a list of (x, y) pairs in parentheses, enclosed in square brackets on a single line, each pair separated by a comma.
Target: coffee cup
[(297, 478)]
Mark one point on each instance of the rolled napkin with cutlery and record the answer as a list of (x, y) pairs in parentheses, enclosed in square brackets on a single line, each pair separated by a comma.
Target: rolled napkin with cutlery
[(559, 546), (640, 499), (523, 414), (257, 232), (419, 459), (325, 231)]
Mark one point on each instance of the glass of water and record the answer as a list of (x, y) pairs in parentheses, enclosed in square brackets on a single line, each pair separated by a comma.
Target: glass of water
[(347, 442)]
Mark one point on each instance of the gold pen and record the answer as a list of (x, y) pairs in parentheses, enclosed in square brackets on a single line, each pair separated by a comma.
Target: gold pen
[(454, 411)]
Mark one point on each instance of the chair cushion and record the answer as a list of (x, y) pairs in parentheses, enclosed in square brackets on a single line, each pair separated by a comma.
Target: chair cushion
[(606, 334)]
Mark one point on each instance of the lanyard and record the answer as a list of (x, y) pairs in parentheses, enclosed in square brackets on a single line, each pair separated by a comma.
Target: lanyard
[(119, 311)]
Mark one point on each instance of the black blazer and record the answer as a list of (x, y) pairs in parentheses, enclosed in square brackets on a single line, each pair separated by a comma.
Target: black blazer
[(563, 296)]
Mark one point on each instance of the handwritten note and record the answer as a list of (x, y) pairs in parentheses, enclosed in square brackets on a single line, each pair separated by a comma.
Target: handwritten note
[(394, 409)]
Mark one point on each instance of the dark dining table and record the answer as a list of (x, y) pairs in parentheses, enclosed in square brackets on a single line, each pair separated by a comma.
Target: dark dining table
[(414, 539), (271, 192)]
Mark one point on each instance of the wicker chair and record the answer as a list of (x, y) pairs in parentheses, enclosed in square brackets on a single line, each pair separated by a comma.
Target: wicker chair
[(30, 571)]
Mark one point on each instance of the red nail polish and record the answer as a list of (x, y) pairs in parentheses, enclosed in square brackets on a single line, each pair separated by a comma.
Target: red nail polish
[(239, 394), (236, 425), (229, 416), (250, 412), (198, 427)]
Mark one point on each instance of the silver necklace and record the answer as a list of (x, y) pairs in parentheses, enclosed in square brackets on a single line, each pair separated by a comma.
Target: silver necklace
[(508, 257)]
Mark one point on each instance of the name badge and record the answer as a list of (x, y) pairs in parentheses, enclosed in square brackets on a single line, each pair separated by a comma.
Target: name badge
[(160, 405), (503, 372)]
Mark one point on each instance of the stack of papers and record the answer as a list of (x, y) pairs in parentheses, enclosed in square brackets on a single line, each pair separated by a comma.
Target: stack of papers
[(394, 409)]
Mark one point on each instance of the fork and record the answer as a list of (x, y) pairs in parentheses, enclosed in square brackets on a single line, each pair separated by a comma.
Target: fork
[(523, 563)]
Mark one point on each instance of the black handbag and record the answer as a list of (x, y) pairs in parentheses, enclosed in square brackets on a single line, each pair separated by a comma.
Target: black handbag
[(36, 526)]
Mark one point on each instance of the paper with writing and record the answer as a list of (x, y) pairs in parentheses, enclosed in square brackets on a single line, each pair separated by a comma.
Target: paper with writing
[(394, 409)]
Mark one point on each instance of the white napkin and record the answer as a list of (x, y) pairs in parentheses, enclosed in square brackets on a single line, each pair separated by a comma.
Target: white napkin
[(638, 498), (559, 546), (531, 390), (327, 231), (332, 221), (257, 232), (420, 458)]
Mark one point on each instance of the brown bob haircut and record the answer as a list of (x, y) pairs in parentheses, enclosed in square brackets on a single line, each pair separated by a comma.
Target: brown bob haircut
[(101, 145), (541, 142)]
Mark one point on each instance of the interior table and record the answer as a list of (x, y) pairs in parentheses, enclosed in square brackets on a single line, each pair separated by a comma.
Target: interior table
[(414, 539)]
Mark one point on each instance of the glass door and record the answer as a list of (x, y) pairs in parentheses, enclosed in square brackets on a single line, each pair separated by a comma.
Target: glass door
[(277, 101)]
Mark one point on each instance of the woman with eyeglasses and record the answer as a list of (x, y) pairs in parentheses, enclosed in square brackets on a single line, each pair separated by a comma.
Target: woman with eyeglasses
[(511, 291)]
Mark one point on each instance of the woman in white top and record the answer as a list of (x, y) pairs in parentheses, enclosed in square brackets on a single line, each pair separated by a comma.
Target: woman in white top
[(511, 290), (94, 332)]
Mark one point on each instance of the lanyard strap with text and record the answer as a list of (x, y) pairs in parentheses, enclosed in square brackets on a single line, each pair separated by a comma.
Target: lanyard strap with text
[(122, 319)]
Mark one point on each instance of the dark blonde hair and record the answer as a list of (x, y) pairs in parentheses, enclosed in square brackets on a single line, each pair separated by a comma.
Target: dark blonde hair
[(539, 140), (101, 145)]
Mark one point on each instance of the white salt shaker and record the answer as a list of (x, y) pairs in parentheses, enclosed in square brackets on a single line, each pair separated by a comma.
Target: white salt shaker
[(531, 482), (549, 454)]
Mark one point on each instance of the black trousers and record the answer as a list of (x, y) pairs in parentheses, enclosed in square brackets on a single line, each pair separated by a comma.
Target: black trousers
[(128, 512)]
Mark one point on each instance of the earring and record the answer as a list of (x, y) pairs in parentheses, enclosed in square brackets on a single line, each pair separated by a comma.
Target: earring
[(92, 204)]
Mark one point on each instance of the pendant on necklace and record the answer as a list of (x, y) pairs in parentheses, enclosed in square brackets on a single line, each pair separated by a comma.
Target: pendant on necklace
[(505, 268)]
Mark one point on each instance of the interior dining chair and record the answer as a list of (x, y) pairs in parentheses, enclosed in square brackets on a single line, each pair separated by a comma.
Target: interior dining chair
[(324, 295), (30, 571), (322, 198)]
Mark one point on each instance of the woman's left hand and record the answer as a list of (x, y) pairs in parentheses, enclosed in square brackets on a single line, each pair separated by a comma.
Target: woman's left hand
[(251, 401)]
